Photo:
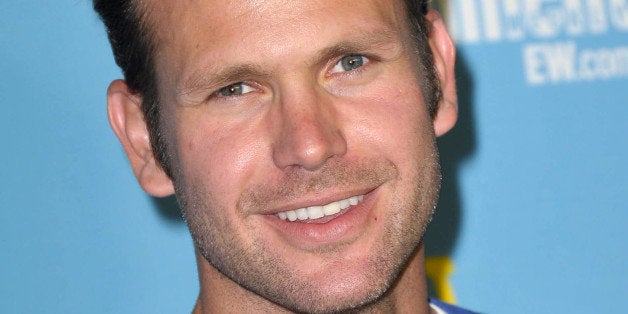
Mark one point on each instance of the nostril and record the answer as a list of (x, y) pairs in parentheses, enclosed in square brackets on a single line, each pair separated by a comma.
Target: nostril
[(307, 132), (308, 144)]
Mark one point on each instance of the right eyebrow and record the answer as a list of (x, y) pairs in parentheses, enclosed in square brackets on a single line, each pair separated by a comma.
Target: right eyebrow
[(209, 78)]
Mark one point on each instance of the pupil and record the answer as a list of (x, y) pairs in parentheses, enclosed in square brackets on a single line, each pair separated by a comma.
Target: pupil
[(351, 62), (234, 89)]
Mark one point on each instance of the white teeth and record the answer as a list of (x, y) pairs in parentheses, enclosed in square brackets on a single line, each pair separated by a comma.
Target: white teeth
[(344, 204), (331, 208), (315, 212), (292, 216), (353, 200), (302, 214)]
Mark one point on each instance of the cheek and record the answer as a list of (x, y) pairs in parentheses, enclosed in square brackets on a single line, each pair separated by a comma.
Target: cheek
[(220, 157), (391, 116)]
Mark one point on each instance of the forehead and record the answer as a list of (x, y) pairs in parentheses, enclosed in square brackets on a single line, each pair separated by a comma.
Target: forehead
[(188, 32), (170, 17)]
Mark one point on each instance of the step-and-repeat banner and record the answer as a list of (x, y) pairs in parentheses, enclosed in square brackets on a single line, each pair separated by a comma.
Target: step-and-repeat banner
[(532, 215)]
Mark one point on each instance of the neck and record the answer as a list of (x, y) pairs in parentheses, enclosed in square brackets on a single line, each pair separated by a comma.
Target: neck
[(219, 294)]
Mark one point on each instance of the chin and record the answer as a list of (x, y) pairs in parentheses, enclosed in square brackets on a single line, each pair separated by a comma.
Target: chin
[(333, 303), (349, 286)]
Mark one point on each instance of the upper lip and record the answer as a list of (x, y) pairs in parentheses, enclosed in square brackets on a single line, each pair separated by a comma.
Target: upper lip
[(317, 199)]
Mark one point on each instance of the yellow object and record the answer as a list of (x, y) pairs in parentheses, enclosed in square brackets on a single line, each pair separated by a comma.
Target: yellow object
[(438, 269)]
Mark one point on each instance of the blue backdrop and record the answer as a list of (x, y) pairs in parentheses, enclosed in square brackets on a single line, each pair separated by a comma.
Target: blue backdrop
[(531, 219)]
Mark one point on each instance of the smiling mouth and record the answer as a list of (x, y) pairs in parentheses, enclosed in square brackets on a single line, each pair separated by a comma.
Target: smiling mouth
[(317, 212)]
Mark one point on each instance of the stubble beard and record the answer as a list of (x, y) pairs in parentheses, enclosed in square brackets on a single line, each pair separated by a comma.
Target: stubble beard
[(251, 263)]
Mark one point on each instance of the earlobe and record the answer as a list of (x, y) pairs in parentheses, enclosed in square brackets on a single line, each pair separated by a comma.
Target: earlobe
[(127, 121), (444, 53)]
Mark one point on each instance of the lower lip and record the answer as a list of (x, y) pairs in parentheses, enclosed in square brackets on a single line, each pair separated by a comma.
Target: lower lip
[(343, 227)]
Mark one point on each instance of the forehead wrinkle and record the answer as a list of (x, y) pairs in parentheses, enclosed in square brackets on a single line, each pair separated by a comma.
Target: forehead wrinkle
[(378, 34)]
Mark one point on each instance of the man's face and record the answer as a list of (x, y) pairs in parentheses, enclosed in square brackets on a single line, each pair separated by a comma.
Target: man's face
[(273, 109)]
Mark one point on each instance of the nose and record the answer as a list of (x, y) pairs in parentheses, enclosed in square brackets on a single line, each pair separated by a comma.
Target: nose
[(308, 132)]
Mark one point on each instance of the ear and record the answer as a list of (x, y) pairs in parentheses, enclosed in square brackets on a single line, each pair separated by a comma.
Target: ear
[(444, 53), (127, 121)]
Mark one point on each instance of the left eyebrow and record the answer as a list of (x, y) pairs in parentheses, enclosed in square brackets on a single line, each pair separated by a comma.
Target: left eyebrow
[(369, 41)]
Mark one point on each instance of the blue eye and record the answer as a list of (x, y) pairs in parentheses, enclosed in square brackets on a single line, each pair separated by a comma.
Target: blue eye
[(349, 63), (234, 90)]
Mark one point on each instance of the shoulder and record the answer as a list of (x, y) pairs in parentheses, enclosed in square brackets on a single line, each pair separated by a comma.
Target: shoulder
[(444, 308)]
